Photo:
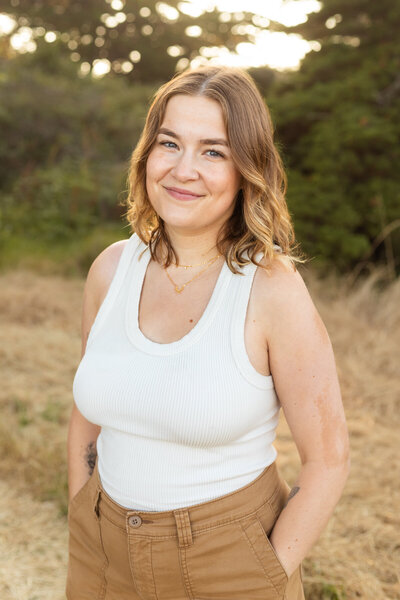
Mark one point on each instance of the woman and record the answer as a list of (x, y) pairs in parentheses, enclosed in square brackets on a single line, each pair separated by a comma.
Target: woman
[(195, 331)]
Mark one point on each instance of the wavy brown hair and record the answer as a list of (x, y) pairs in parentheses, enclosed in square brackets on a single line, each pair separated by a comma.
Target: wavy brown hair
[(260, 218)]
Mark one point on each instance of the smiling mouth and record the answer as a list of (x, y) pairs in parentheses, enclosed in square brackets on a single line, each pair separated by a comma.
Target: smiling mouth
[(181, 195)]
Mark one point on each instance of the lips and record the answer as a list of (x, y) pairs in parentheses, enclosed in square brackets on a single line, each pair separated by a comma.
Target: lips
[(182, 194)]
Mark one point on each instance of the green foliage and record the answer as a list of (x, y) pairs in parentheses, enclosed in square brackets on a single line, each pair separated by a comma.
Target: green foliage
[(77, 256), (94, 30), (67, 139), (338, 124), (47, 203), (48, 118), (69, 257), (65, 153)]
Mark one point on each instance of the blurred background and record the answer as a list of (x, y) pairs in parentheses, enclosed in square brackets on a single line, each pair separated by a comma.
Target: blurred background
[(76, 79)]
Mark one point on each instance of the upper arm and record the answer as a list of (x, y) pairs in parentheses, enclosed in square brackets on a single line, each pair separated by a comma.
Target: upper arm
[(303, 368), (98, 281)]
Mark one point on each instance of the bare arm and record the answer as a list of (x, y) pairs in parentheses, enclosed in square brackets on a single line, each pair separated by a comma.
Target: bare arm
[(304, 372), (82, 434)]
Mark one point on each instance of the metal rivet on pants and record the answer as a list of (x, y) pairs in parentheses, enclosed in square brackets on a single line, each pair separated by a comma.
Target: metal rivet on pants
[(135, 521)]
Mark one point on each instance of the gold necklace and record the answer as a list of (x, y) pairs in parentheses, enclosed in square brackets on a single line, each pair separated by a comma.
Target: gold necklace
[(200, 265), (180, 289)]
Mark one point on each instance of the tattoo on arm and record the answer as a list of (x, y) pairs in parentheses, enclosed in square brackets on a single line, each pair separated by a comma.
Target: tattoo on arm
[(91, 454), (293, 492)]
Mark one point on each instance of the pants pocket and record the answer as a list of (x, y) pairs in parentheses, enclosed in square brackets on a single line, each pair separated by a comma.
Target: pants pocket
[(221, 564), (75, 500), (256, 530), (87, 561)]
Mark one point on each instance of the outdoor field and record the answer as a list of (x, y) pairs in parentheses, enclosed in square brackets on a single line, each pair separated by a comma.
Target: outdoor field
[(305, 136), (358, 555)]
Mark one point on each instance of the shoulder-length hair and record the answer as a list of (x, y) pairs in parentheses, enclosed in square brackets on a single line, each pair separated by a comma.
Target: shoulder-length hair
[(260, 220)]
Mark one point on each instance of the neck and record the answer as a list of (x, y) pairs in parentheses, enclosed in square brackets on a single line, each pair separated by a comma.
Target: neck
[(193, 248)]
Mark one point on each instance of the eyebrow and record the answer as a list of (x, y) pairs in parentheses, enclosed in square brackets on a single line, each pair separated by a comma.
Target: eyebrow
[(211, 141)]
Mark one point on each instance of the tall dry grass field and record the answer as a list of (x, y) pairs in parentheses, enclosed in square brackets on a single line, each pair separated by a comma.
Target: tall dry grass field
[(358, 555)]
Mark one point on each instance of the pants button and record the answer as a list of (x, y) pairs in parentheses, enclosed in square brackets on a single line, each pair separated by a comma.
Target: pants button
[(135, 521)]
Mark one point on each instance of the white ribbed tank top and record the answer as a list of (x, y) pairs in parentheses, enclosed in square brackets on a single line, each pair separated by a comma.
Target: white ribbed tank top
[(184, 422)]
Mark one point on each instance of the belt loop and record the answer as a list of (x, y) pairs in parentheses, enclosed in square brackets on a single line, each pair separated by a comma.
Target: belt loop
[(183, 527)]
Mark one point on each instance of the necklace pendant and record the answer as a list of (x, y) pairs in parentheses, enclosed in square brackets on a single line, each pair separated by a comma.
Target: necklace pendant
[(179, 289)]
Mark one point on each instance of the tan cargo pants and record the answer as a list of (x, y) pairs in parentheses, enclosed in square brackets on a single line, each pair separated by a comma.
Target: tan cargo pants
[(216, 550)]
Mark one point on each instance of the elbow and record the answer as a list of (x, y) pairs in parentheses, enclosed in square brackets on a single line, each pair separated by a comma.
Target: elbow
[(344, 469), (340, 462), (340, 456), (343, 464)]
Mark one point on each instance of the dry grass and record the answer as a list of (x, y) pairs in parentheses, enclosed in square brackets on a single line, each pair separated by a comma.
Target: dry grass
[(359, 552)]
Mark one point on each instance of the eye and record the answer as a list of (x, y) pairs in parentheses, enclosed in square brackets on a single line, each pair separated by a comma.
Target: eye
[(167, 142), (216, 154)]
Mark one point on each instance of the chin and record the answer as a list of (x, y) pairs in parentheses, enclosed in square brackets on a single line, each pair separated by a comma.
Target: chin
[(181, 223)]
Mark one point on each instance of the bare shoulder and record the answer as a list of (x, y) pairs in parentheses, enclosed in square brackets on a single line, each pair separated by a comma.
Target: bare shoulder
[(98, 280), (102, 271), (283, 299), (281, 283)]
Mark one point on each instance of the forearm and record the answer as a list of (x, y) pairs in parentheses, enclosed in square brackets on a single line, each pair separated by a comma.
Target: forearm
[(310, 505), (82, 436)]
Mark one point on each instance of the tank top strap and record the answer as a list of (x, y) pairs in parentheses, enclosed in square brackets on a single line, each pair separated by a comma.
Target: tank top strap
[(127, 254), (241, 301)]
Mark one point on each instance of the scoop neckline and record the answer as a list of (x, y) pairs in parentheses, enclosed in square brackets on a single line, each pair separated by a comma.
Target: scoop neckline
[(135, 334)]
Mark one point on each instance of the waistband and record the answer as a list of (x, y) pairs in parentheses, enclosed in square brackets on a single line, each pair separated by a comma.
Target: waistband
[(183, 522)]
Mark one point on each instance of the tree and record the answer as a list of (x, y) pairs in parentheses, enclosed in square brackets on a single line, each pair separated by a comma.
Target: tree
[(338, 121), (150, 38)]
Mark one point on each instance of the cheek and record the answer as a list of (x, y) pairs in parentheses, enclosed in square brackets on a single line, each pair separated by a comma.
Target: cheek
[(151, 167), (156, 165), (225, 182), (151, 176)]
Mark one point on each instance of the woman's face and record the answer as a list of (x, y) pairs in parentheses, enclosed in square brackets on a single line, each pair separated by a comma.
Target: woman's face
[(191, 179)]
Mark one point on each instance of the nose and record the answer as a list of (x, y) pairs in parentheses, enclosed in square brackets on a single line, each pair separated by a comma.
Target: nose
[(185, 167)]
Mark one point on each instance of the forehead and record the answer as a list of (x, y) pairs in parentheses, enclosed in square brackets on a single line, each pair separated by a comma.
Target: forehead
[(197, 113)]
